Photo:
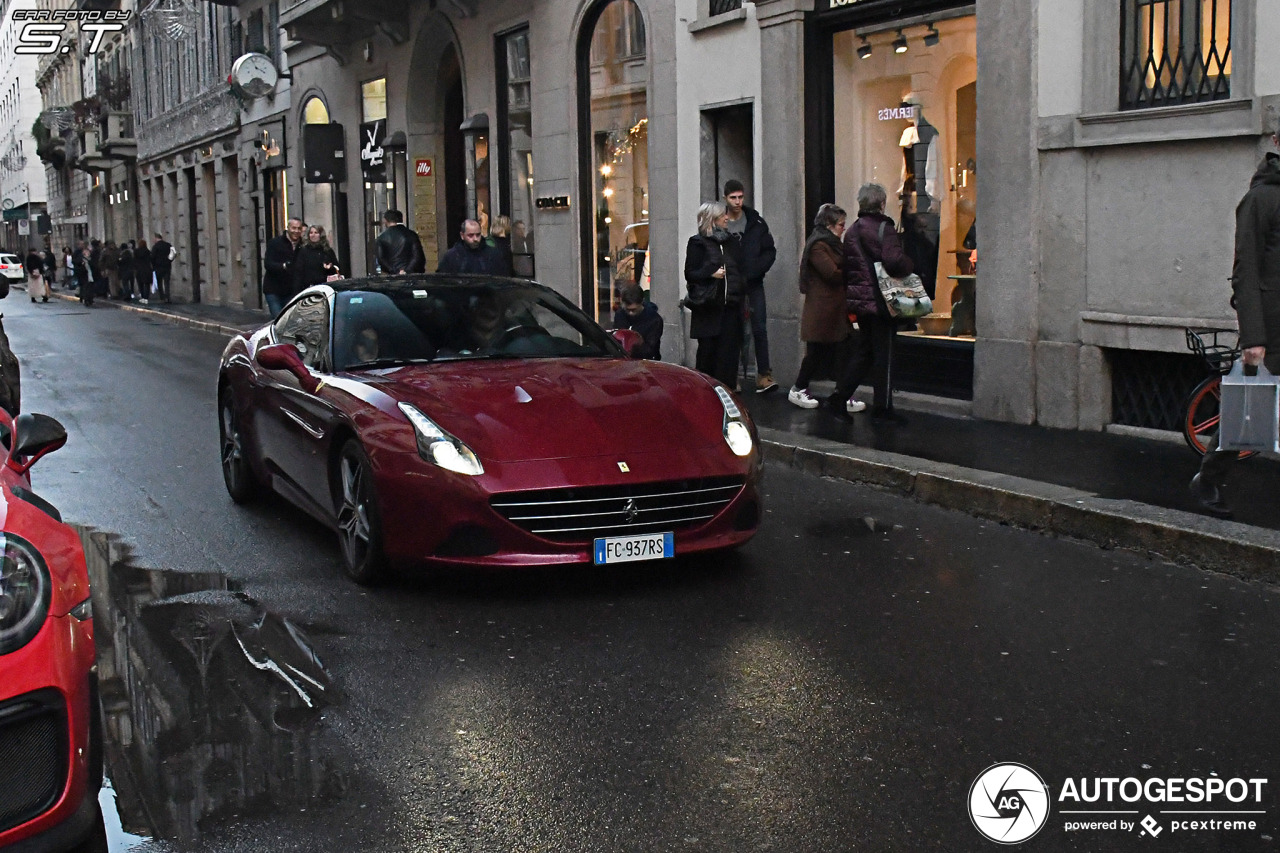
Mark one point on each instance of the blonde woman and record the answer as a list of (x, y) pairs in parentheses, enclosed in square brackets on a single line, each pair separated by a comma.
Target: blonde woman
[(714, 287), (500, 239)]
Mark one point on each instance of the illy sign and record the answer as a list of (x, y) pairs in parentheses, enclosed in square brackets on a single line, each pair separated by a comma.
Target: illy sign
[(424, 169)]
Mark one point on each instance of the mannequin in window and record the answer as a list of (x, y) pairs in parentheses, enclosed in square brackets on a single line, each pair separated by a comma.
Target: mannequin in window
[(921, 222)]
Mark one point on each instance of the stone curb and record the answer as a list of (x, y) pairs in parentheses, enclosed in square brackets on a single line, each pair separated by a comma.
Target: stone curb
[(175, 319), (1182, 537)]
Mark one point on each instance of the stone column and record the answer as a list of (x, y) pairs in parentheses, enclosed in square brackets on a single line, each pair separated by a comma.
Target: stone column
[(1004, 376), (782, 172)]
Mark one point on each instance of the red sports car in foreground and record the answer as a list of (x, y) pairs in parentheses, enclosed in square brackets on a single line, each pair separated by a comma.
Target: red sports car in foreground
[(475, 421), (50, 729)]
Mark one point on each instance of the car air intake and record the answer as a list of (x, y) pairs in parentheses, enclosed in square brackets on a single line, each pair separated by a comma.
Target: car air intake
[(582, 514), (33, 756)]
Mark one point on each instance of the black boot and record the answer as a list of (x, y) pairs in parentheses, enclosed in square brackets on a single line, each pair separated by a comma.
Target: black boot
[(1209, 497), (834, 406)]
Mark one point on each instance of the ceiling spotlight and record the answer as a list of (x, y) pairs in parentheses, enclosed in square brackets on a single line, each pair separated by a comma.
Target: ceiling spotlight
[(864, 49), (931, 36), (900, 43)]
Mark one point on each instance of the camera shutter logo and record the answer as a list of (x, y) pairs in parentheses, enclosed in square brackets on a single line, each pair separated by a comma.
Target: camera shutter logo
[(1008, 803)]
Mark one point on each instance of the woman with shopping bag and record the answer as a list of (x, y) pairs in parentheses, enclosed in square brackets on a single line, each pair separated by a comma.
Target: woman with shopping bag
[(36, 287)]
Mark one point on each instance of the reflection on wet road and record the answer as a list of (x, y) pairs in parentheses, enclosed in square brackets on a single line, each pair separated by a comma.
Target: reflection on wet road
[(212, 705)]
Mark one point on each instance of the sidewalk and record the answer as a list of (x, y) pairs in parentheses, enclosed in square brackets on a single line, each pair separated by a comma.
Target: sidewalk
[(1116, 490)]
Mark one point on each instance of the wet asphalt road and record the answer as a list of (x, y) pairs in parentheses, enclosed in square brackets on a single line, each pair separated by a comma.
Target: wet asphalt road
[(836, 686)]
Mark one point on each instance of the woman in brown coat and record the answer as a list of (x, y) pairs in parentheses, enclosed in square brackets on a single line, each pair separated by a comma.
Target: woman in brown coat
[(824, 322)]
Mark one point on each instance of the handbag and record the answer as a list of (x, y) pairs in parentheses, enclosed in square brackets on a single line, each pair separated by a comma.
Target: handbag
[(702, 293), (904, 297), (1249, 410)]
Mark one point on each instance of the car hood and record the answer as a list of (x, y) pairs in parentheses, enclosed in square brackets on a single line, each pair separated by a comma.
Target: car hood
[(528, 409)]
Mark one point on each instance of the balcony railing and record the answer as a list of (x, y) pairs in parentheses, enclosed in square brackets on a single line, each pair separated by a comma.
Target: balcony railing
[(723, 7)]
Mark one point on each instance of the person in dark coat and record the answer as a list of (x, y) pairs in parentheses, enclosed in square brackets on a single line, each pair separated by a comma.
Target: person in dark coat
[(641, 317), (1255, 285), (100, 287), (162, 261), (471, 254), (83, 271), (124, 266), (756, 253), (500, 239), (279, 284), (50, 266), (36, 287), (824, 320), (399, 249), (143, 268), (109, 263), (873, 238), (315, 260), (711, 267)]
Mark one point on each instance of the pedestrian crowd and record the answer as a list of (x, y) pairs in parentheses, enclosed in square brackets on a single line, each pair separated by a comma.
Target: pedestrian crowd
[(127, 271)]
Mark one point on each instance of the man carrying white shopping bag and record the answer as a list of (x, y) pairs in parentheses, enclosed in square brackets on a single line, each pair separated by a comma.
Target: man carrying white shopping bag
[(1255, 280)]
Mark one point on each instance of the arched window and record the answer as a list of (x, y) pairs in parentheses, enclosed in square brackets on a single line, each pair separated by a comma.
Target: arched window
[(614, 70), (317, 199)]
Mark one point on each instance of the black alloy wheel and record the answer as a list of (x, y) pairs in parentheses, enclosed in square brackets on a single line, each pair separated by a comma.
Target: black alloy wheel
[(359, 522), (242, 485)]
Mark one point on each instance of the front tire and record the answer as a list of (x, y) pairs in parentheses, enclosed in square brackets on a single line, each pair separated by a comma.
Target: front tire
[(1200, 421), (359, 521), (241, 483)]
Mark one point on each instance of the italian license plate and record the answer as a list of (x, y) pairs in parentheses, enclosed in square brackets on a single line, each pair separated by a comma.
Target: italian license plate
[(627, 549)]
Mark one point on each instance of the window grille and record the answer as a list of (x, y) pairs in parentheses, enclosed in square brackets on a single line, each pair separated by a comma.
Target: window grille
[(1174, 52), (720, 7), (1150, 389)]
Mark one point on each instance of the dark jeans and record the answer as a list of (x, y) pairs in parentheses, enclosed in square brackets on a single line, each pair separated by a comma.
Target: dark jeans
[(873, 349), (126, 285), (162, 282), (759, 328), (1217, 464), (816, 357), (718, 356), (275, 303)]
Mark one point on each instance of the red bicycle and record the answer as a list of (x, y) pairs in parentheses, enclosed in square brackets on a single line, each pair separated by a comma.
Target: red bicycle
[(1200, 421)]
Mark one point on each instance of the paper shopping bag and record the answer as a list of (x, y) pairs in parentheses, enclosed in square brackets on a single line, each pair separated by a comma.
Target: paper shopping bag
[(1249, 411)]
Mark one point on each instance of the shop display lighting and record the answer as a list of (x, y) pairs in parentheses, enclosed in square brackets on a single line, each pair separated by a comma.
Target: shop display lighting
[(900, 43), (931, 36), (864, 49)]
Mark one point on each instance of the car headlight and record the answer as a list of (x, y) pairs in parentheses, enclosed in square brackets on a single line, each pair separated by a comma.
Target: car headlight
[(25, 592), (438, 447), (736, 432)]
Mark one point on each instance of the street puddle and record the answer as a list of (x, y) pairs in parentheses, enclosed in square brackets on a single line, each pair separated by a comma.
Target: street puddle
[(213, 706)]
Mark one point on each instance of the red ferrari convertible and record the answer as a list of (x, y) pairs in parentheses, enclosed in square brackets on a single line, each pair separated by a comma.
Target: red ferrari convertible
[(50, 729), (483, 422)]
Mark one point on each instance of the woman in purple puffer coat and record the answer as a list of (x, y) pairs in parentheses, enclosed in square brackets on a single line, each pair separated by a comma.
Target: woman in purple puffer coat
[(872, 237)]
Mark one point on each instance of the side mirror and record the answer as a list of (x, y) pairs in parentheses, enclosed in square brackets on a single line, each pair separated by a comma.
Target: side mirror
[(286, 357), (629, 339), (35, 436)]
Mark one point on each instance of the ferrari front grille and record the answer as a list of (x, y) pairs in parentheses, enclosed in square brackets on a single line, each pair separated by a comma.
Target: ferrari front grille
[(582, 514), (33, 756)]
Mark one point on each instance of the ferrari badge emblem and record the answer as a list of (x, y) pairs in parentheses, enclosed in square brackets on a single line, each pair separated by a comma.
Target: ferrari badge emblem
[(622, 466)]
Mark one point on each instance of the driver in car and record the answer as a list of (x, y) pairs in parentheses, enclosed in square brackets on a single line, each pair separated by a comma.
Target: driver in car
[(366, 345)]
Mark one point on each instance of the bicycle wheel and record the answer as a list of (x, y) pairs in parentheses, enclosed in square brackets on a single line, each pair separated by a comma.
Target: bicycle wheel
[(1200, 422)]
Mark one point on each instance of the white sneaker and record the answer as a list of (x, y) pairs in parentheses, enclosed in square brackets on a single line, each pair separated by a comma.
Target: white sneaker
[(854, 406), (801, 397)]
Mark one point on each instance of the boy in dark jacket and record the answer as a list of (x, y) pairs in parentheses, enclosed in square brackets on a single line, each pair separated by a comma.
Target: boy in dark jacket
[(641, 317)]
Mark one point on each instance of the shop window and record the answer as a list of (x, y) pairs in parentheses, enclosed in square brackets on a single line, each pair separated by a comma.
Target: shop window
[(379, 181), (617, 152), (1174, 52), (905, 117), (516, 129), (317, 199)]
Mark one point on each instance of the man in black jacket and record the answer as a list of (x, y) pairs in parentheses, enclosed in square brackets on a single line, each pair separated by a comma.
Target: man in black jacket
[(278, 284), (472, 254), (162, 262), (399, 249), (1255, 282), (756, 255)]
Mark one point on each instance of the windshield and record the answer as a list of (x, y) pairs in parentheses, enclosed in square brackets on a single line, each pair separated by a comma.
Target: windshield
[(452, 322)]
